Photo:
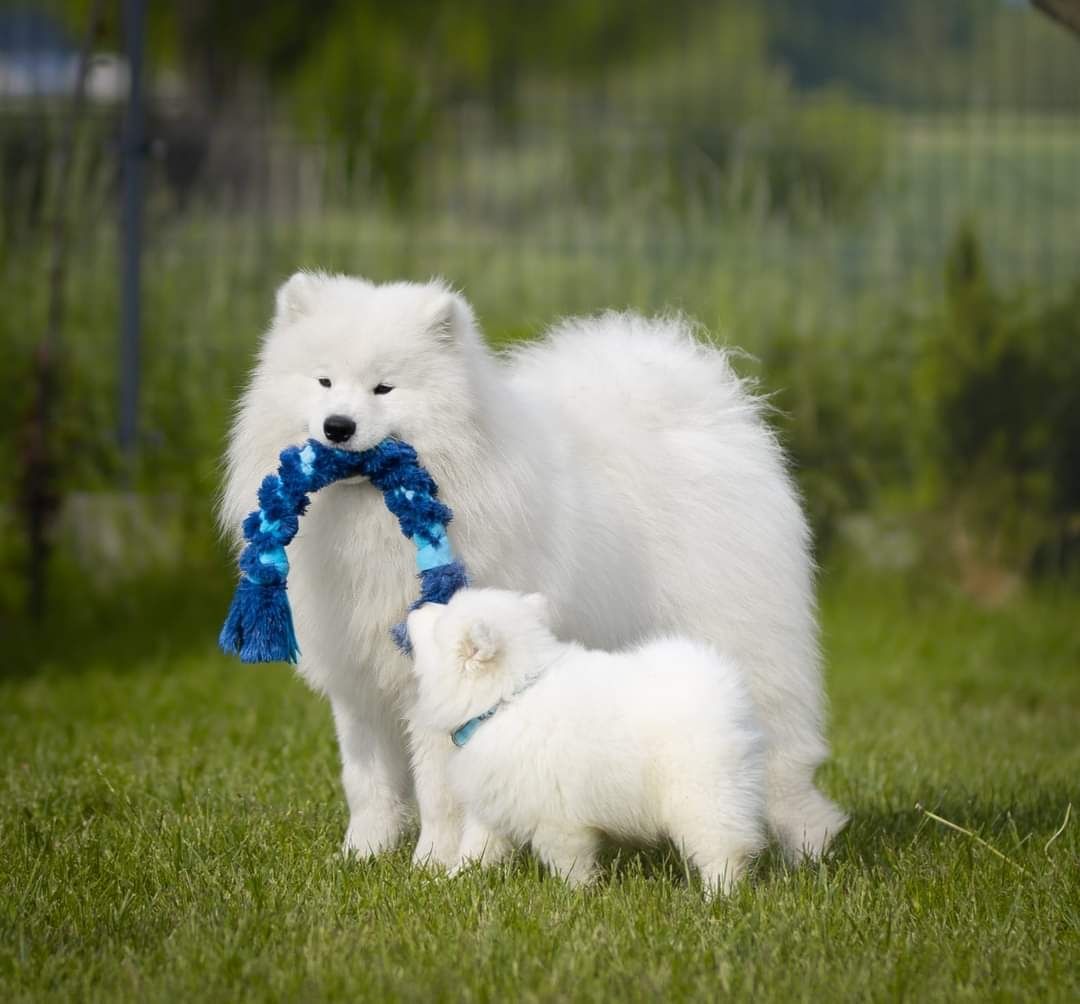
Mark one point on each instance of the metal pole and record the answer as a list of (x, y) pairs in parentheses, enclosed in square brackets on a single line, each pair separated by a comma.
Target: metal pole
[(40, 488), (134, 150)]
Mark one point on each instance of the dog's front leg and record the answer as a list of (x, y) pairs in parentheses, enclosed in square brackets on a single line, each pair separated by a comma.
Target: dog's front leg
[(375, 774), (440, 814)]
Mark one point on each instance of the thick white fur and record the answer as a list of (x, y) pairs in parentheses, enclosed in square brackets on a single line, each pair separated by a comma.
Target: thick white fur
[(618, 466), (657, 741)]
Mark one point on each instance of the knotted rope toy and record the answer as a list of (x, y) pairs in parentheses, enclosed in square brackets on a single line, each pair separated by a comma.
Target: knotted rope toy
[(259, 627)]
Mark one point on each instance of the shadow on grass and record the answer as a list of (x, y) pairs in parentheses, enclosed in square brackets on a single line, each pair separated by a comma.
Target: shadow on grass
[(869, 842), (1007, 825)]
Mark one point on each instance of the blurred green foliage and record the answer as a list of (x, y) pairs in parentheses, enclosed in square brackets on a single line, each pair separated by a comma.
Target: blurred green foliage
[(1002, 380), (720, 127), (963, 417), (382, 79), (925, 54), (389, 81), (969, 416), (560, 158)]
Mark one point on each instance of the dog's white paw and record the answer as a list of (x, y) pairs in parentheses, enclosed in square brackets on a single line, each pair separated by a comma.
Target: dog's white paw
[(372, 834), (808, 827)]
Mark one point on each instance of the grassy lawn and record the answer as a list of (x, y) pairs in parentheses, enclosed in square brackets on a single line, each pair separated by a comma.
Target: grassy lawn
[(169, 829)]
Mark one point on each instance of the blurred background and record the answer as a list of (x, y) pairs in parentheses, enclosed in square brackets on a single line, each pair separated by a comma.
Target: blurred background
[(878, 201)]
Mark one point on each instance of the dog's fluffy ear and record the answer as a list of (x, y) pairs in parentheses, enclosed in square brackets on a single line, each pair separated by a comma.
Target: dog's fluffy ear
[(296, 295), (447, 317), (480, 648), (540, 606)]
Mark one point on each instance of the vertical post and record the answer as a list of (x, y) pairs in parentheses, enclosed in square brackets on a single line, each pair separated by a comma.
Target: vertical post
[(39, 490), (134, 150)]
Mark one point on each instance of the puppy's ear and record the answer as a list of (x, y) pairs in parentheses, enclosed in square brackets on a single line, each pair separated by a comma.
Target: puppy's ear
[(419, 621), (296, 296), (480, 648), (540, 606), (447, 317)]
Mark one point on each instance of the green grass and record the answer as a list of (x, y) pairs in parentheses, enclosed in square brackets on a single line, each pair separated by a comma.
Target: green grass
[(170, 822)]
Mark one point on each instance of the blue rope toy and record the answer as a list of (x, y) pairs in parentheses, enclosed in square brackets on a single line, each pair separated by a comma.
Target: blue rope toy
[(259, 627)]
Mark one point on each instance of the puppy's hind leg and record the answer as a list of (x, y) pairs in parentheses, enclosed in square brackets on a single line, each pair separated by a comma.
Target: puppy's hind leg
[(719, 831), (569, 851), (480, 846), (720, 853), (720, 868)]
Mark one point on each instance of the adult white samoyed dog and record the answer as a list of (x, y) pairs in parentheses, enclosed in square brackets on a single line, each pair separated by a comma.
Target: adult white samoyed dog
[(619, 466)]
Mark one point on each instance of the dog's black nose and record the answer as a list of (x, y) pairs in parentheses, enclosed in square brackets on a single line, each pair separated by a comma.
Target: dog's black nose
[(338, 428)]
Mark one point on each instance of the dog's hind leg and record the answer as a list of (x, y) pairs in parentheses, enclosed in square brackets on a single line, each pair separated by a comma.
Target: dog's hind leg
[(803, 819)]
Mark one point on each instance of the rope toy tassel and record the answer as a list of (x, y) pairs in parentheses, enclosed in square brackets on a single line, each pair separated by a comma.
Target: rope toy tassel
[(259, 626)]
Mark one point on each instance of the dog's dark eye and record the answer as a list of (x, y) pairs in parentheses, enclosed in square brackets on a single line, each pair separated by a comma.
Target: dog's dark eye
[(324, 381), (382, 388)]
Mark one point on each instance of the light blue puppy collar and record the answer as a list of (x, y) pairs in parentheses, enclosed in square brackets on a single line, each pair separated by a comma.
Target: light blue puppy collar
[(463, 733)]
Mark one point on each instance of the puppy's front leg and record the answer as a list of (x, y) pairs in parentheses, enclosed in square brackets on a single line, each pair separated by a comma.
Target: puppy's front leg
[(440, 815)]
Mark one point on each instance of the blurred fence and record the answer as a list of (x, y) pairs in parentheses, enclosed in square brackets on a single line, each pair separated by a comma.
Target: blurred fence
[(700, 159), (705, 179)]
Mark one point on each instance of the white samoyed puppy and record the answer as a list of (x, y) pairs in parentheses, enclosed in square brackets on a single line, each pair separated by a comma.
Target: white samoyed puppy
[(551, 744), (618, 466)]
